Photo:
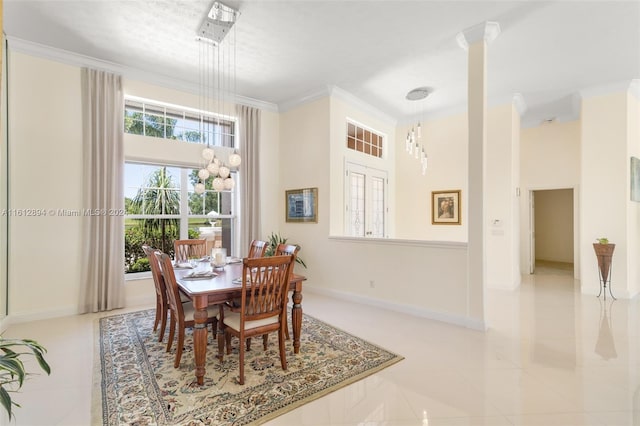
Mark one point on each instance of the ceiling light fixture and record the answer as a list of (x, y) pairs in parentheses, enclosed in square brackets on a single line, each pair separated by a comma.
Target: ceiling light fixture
[(413, 143), (217, 91)]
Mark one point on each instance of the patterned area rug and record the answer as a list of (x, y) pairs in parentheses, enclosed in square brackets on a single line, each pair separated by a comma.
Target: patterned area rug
[(139, 386)]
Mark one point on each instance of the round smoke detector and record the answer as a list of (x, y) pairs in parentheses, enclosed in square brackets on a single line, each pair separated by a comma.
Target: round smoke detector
[(419, 93)]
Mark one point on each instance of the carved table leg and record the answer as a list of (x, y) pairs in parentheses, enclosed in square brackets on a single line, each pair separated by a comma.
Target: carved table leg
[(296, 318), (200, 337)]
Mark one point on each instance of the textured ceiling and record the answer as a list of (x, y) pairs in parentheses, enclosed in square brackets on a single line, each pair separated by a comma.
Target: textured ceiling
[(375, 50)]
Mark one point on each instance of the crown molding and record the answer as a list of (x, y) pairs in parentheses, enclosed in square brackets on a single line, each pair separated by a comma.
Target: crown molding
[(634, 88), (519, 104), (314, 95), (336, 92), (351, 99), (79, 60), (608, 88), (487, 31)]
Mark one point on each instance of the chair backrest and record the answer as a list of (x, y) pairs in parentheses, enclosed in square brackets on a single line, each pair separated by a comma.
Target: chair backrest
[(184, 249), (257, 248), (173, 294), (291, 249), (265, 282), (158, 281)]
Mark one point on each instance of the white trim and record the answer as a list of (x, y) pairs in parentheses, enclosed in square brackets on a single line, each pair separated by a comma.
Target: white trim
[(40, 315), (486, 31), (400, 308), (634, 88), (453, 245), (305, 99), (353, 100), (519, 103), (76, 59), (606, 89)]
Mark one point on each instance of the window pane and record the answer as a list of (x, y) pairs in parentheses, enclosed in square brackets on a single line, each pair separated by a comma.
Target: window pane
[(357, 204), (157, 233)]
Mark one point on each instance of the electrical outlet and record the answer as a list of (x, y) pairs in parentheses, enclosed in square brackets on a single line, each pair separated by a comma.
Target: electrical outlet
[(372, 284)]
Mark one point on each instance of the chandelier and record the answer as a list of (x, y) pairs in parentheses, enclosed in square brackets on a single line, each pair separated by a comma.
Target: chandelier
[(413, 143), (217, 88)]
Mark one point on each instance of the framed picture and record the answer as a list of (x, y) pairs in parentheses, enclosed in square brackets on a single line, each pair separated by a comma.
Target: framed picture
[(445, 207), (635, 179), (302, 205)]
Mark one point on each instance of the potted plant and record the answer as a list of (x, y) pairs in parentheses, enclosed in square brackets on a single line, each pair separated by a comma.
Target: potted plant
[(604, 251), (12, 370), (272, 244), (603, 247)]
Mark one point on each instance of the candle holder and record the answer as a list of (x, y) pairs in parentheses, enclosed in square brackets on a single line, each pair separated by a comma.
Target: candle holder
[(218, 257)]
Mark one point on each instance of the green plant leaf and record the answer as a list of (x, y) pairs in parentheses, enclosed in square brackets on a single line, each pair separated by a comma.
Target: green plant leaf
[(5, 399)]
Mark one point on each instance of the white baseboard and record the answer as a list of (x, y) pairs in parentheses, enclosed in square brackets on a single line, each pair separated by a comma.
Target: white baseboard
[(40, 315), (399, 307)]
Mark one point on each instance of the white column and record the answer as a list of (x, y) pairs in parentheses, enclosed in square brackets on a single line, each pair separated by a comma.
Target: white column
[(475, 40)]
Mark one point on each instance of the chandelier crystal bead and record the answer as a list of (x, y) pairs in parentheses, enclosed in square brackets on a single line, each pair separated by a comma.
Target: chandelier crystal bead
[(217, 83)]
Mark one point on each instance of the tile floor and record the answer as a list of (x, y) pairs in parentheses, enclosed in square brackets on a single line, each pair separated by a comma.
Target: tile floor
[(550, 357)]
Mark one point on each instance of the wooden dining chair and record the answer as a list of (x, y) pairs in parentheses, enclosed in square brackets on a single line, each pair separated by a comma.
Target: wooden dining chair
[(263, 305), (182, 314), (162, 306), (257, 248), (185, 249), (290, 249)]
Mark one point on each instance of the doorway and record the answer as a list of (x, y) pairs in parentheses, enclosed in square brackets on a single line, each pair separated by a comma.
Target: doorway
[(552, 231)]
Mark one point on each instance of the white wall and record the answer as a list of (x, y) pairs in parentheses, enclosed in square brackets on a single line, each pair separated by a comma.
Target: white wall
[(45, 173), (446, 147), (633, 208), (549, 159), (501, 210), (604, 188), (427, 278)]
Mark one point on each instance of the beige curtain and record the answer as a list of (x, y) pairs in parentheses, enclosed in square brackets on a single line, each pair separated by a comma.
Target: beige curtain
[(102, 286), (249, 132)]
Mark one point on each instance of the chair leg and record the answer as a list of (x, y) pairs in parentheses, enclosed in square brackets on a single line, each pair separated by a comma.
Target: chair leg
[(265, 341), (248, 344), (227, 338), (241, 360), (158, 314), (163, 324), (283, 353), (172, 332), (176, 363)]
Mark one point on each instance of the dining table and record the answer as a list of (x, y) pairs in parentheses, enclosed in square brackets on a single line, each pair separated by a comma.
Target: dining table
[(225, 284)]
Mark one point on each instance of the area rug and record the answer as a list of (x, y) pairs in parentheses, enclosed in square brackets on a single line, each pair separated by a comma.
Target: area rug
[(136, 383)]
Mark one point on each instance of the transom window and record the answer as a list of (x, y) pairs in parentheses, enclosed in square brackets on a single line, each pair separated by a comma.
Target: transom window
[(364, 140), (156, 119)]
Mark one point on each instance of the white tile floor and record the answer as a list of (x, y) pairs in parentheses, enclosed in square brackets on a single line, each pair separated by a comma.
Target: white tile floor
[(551, 357)]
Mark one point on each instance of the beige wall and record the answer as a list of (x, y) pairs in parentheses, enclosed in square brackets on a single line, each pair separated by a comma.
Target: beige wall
[(46, 174), (604, 187), (549, 159), (446, 147), (633, 208), (554, 225)]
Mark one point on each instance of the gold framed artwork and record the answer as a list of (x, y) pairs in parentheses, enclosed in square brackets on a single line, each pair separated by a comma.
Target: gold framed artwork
[(445, 207), (302, 205)]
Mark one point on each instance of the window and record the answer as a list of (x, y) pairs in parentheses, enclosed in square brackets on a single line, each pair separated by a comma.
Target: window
[(156, 119), (162, 206), (364, 140), (160, 200), (366, 195)]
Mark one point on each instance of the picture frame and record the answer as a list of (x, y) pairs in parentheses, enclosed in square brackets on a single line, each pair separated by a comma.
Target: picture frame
[(301, 205), (446, 207)]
